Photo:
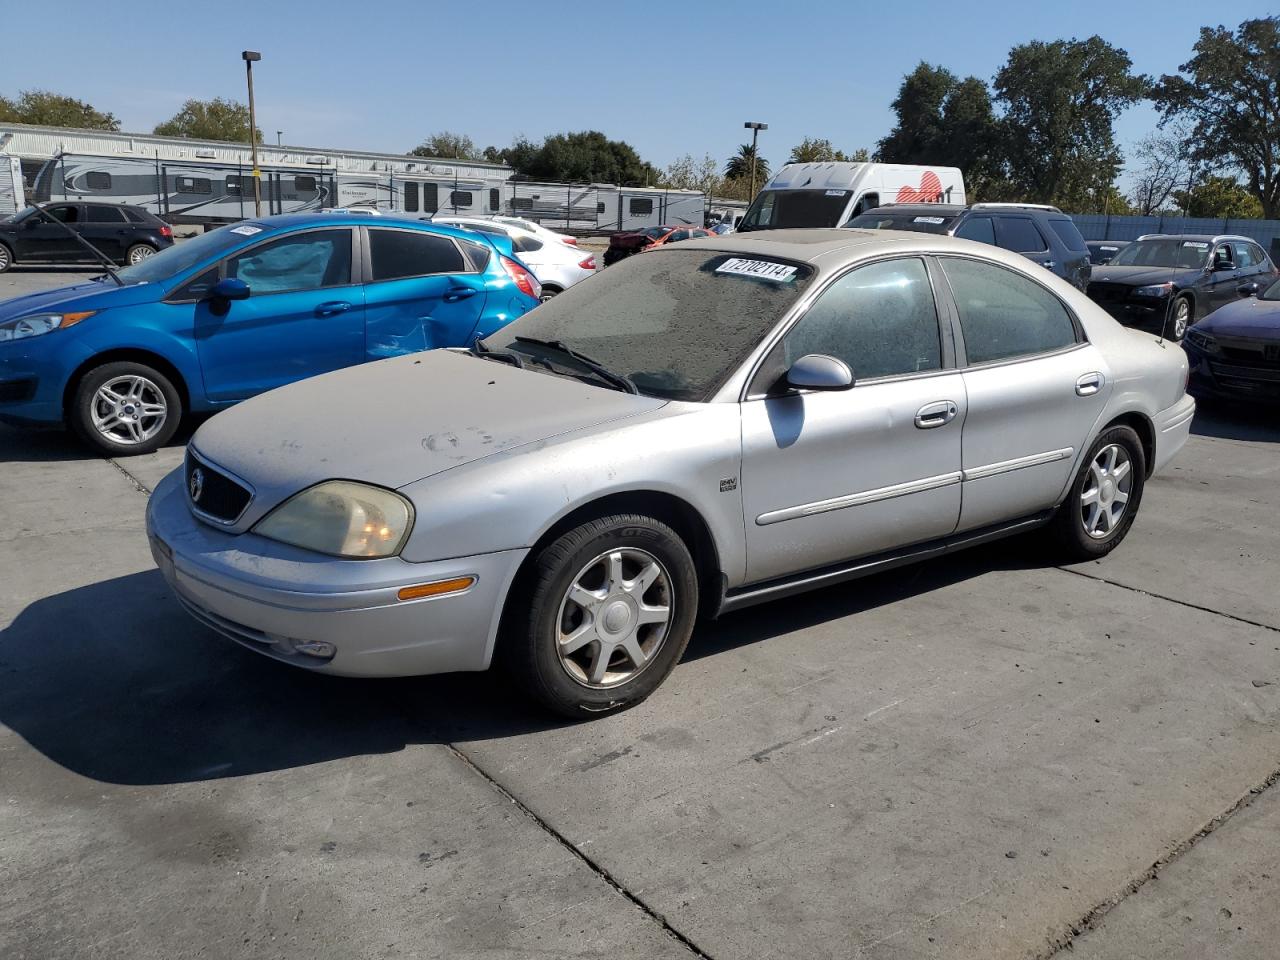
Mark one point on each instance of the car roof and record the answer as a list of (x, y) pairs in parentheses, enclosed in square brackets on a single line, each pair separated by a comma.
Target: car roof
[(921, 209), (1202, 237), (286, 221), (809, 245)]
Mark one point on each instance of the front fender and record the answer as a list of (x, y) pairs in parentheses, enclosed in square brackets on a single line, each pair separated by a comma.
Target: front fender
[(178, 349)]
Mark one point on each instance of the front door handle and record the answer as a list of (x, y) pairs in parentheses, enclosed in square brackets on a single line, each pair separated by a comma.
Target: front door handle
[(1050, 264), (331, 307), (1088, 384), (454, 294), (936, 414)]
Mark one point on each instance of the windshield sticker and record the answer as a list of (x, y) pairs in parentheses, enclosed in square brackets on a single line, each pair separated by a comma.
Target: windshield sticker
[(246, 231), (929, 220), (760, 269), (836, 193), (1195, 244)]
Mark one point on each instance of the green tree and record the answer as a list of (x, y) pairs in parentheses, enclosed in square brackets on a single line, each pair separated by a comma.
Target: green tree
[(1219, 197), (446, 144), (918, 134), (215, 119), (54, 110), (815, 150), (1229, 92), (739, 165), (687, 173), (588, 156), (1163, 166), (1060, 102)]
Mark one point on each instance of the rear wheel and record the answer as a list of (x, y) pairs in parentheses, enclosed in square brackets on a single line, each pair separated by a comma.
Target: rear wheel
[(139, 252), (125, 408), (1104, 497), (6, 258), (548, 293), (606, 615)]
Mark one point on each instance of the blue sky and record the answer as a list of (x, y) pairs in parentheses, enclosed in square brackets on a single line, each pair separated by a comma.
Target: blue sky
[(668, 77)]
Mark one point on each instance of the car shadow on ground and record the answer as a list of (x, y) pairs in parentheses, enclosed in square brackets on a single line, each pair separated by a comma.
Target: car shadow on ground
[(34, 445), (113, 681), (1228, 420)]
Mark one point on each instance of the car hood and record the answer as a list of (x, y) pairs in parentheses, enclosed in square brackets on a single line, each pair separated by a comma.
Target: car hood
[(1142, 276), (399, 420), (1244, 318), (90, 295)]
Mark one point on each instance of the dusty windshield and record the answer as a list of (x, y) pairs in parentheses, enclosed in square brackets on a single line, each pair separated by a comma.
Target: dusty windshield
[(676, 322), (917, 222), (1178, 254), (780, 209)]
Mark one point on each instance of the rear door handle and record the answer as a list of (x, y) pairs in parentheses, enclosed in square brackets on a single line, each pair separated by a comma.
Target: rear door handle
[(454, 294), (936, 414), (1088, 384), (331, 307)]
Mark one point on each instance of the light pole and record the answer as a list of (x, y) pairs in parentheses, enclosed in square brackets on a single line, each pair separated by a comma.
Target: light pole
[(279, 134), (250, 57), (755, 129)]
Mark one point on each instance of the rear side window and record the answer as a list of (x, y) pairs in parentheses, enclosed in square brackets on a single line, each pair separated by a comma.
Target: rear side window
[(979, 229), (137, 216), (1003, 314), (477, 254), (879, 319), (402, 253), (1245, 256), (1019, 234), (308, 261), (1068, 234), (104, 214), (525, 245)]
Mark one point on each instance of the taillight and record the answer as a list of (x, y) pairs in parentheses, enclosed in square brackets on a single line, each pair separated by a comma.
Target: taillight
[(589, 263), (522, 278), (166, 230), (571, 241)]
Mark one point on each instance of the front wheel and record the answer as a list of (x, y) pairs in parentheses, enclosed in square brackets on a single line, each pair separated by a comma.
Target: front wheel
[(607, 612), (125, 408), (139, 252), (6, 258), (1104, 497), (1180, 314)]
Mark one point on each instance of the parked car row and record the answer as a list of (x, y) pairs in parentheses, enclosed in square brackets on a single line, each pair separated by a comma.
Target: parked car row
[(122, 233), (624, 244), (556, 263)]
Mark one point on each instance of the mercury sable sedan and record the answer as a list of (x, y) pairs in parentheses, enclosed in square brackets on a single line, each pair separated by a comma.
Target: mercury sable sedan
[(706, 427)]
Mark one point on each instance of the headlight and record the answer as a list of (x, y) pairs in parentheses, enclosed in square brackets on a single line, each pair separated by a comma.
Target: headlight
[(342, 518), (1203, 341), (38, 324), (1155, 290)]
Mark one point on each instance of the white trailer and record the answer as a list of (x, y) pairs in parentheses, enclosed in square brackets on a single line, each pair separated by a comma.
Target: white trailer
[(602, 206), (12, 194), (829, 194)]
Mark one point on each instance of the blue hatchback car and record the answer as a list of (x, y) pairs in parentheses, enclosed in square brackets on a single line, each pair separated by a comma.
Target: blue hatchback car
[(243, 309)]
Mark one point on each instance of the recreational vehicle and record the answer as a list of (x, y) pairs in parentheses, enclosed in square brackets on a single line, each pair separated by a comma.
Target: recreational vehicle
[(603, 206), (830, 194), (12, 194)]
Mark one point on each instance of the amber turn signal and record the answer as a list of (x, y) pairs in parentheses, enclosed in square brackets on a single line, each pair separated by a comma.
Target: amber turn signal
[(418, 591)]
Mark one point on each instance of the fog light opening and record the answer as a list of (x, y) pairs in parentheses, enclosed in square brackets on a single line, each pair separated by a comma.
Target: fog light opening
[(320, 649), (438, 588)]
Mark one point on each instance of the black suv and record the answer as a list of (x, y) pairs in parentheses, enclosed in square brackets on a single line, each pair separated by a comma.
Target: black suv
[(122, 233), (1165, 283), (1040, 233)]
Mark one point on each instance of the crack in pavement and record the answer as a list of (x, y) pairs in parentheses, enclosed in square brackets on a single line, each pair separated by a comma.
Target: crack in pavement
[(137, 484), (1161, 596), (595, 867), (1093, 918)]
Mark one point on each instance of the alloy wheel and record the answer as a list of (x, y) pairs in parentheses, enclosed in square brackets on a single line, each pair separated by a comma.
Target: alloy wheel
[(614, 618), (1181, 317), (140, 253), (129, 410), (1107, 487)]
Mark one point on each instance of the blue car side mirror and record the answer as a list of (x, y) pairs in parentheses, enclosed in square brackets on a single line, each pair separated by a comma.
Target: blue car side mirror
[(230, 288)]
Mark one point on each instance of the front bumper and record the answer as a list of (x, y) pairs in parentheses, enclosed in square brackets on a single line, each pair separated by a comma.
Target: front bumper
[(1213, 376), (1146, 314), (33, 375), (269, 596), (1173, 426)]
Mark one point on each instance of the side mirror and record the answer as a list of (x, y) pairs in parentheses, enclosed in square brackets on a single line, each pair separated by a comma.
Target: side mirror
[(817, 371), (230, 288), (1220, 265), (1248, 290)]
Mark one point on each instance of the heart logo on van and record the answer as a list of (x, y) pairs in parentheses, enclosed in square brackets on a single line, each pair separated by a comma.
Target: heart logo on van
[(929, 191)]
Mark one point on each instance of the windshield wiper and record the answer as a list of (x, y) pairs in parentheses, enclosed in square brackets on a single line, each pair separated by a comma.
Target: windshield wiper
[(478, 349), (621, 381), (75, 235)]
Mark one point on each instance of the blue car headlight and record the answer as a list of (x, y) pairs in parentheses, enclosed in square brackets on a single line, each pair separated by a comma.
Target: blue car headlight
[(39, 324), (1154, 290)]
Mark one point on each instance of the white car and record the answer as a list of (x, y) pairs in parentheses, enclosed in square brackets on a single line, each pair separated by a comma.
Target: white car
[(536, 228), (557, 266)]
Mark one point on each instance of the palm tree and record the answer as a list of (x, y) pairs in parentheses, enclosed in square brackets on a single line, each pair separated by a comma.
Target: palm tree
[(739, 165)]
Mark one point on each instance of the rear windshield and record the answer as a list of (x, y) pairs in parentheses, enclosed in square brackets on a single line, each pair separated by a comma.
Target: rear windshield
[(676, 321), (917, 222), (1180, 254), (780, 209)]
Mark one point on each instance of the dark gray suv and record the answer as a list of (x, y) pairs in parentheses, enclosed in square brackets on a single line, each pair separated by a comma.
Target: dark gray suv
[(1040, 233)]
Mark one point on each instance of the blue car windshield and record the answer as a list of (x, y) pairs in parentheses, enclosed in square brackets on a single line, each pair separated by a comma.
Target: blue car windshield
[(183, 256)]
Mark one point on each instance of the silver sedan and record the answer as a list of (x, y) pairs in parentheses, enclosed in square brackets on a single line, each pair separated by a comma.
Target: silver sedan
[(706, 427)]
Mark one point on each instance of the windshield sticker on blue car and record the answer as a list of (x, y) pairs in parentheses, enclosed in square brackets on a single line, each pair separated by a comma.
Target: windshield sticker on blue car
[(1195, 244), (760, 269), (246, 231), (929, 220)]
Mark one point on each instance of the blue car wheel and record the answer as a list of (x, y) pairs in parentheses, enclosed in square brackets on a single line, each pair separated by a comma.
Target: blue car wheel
[(125, 408)]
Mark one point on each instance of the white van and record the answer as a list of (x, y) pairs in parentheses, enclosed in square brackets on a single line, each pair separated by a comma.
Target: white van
[(829, 194)]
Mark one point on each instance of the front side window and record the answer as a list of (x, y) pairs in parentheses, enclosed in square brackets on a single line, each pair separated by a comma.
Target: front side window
[(1003, 314), (307, 261), (1222, 257), (65, 214), (879, 319), (979, 229), (1020, 235), (396, 254)]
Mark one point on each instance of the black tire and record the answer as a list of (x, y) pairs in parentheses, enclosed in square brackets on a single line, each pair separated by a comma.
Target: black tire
[(539, 607), (1171, 330), (1073, 542), (81, 412), (6, 258), (139, 250), (548, 293)]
